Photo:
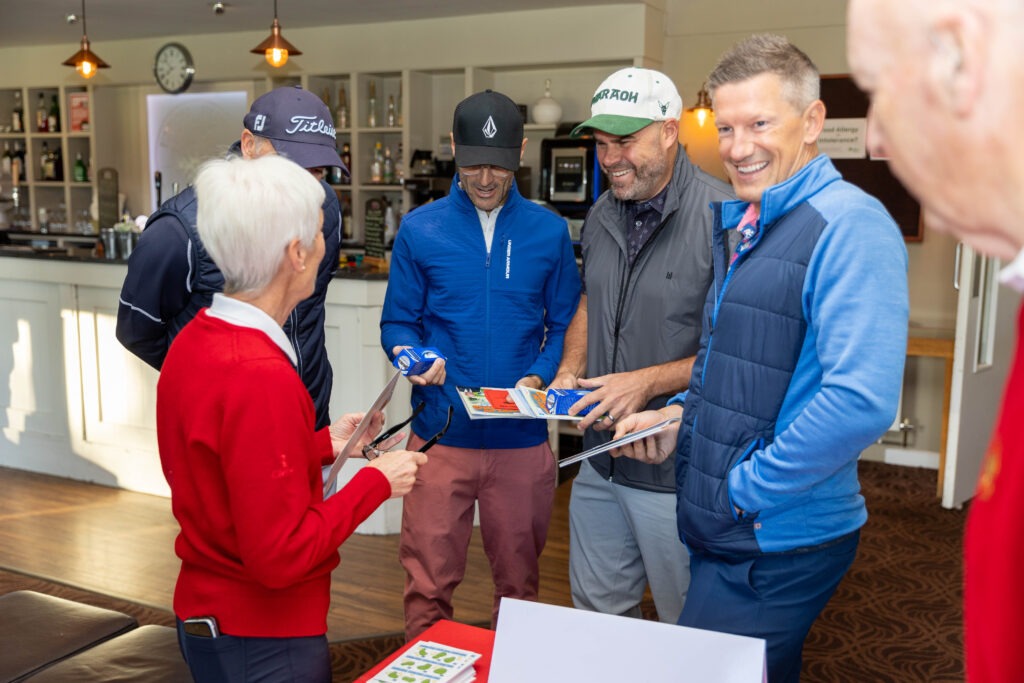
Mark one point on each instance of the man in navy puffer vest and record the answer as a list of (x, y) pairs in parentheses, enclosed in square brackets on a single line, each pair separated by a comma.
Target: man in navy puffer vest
[(799, 367)]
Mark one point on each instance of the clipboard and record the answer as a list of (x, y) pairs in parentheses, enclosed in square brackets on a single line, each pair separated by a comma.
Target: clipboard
[(621, 441), (378, 404)]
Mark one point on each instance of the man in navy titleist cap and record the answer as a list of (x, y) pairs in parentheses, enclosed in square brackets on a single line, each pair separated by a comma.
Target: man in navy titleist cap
[(171, 276), (489, 279)]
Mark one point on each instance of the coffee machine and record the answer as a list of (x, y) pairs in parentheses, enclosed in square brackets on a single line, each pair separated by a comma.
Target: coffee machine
[(571, 178)]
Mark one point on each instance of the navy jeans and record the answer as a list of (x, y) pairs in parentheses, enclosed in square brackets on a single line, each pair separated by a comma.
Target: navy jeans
[(776, 597), (237, 659)]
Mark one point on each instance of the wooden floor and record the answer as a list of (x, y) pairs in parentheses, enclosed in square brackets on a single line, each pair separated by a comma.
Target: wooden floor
[(122, 544)]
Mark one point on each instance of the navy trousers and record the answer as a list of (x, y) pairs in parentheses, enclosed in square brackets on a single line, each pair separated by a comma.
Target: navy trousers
[(776, 597), (235, 659)]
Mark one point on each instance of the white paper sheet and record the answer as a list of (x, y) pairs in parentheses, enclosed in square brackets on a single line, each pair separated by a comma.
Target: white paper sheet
[(548, 644)]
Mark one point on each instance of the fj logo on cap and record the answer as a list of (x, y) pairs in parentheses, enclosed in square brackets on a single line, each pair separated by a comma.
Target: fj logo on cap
[(489, 129), (258, 124)]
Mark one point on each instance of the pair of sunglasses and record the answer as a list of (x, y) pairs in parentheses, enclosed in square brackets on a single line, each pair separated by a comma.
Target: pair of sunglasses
[(370, 450)]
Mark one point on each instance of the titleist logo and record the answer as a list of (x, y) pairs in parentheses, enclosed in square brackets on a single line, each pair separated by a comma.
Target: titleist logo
[(310, 124)]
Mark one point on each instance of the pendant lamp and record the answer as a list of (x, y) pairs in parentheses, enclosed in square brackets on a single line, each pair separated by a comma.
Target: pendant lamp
[(703, 106), (275, 48), (85, 61)]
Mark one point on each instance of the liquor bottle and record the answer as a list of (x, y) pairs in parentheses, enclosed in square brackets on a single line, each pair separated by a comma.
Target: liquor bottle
[(391, 120), (390, 226), (346, 218), (346, 158), (334, 175), (371, 113), (80, 172), (17, 114), (377, 165), (388, 175), (326, 97), (400, 165), (399, 105), (41, 114), (342, 109), (19, 157), (5, 162), (57, 160), (53, 118), (45, 163)]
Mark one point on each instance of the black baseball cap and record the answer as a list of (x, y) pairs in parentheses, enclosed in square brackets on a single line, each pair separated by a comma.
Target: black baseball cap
[(488, 129), (299, 125)]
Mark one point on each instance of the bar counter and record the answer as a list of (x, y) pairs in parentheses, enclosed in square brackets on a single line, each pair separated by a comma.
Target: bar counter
[(78, 405)]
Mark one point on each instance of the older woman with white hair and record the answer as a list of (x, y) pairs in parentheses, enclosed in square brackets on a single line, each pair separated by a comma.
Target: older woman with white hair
[(236, 429)]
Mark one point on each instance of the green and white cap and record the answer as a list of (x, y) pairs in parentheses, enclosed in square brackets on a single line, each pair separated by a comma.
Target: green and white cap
[(631, 99)]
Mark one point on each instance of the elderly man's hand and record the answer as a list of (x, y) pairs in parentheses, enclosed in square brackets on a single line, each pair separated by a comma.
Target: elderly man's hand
[(613, 397), (654, 449), (400, 468)]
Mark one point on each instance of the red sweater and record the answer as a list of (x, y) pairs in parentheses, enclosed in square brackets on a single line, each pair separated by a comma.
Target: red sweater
[(994, 545), (235, 425)]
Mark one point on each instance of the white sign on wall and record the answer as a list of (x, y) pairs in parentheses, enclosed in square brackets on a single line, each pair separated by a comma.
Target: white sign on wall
[(844, 138)]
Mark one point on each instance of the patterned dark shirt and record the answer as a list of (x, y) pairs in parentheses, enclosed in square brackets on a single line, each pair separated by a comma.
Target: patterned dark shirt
[(644, 218)]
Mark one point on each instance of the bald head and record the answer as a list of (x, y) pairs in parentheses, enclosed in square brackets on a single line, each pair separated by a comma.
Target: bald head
[(947, 84)]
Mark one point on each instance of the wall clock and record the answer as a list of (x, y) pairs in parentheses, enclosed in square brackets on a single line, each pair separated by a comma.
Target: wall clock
[(173, 68)]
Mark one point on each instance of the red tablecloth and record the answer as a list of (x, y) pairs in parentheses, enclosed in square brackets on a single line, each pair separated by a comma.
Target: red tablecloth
[(452, 634)]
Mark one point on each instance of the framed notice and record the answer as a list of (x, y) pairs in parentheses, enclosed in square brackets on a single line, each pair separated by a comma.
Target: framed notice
[(844, 139), (373, 232), (78, 112)]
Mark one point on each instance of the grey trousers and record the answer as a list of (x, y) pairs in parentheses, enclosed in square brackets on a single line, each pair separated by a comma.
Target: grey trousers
[(620, 540)]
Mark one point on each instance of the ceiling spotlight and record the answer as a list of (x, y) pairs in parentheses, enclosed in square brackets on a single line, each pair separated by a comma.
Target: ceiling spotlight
[(219, 8), (71, 18)]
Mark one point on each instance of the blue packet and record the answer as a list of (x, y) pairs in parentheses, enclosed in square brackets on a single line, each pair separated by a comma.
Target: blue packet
[(559, 401), (416, 360)]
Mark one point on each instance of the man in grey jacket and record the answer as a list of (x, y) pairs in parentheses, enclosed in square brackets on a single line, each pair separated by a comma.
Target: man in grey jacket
[(646, 270)]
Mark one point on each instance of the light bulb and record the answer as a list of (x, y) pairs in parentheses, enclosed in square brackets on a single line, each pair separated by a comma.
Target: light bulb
[(86, 68), (702, 117), (277, 57)]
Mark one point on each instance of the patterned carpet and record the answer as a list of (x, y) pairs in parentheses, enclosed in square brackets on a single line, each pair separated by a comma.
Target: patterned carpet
[(897, 615), (895, 618)]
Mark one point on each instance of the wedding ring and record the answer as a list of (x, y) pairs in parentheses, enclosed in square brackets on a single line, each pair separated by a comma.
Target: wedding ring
[(610, 417)]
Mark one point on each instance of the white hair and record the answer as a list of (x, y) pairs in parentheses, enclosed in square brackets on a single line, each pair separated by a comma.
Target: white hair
[(250, 210)]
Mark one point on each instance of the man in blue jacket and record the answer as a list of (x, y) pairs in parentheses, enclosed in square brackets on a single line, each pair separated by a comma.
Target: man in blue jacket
[(170, 275), (490, 280), (799, 367)]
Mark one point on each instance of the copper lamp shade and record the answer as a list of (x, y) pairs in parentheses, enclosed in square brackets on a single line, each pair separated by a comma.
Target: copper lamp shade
[(85, 61), (276, 48)]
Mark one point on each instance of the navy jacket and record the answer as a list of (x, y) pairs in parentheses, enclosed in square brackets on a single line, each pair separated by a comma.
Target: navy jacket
[(171, 277), (497, 316)]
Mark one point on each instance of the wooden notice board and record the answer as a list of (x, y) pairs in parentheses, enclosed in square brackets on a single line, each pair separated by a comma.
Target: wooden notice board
[(844, 100)]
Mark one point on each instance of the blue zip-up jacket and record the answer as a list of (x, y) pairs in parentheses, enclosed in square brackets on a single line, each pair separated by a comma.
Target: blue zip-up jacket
[(497, 317), (799, 370), (171, 277)]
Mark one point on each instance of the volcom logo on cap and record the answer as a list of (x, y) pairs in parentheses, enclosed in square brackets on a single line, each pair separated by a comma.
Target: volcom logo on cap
[(258, 124), (490, 130)]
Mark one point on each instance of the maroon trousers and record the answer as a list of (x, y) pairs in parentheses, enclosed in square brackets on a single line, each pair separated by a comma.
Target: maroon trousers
[(514, 488)]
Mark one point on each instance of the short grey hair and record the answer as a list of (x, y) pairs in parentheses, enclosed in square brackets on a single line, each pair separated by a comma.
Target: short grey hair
[(249, 210), (768, 53)]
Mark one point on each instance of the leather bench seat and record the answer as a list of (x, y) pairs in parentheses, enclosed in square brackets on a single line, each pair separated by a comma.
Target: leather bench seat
[(37, 630), (148, 653)]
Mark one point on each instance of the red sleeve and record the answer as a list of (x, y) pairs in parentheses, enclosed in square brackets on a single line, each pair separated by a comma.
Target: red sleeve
[(325, 447), (270, 458)]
